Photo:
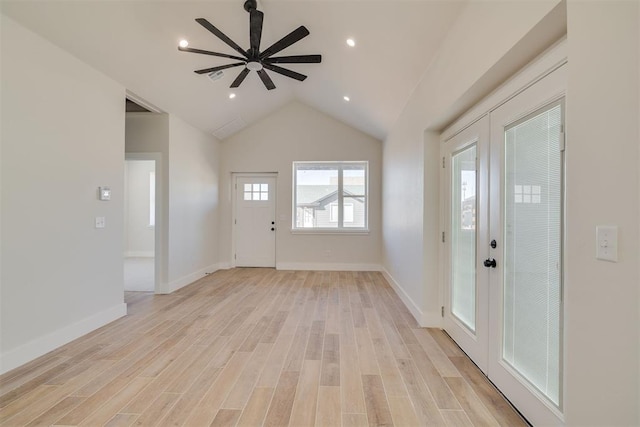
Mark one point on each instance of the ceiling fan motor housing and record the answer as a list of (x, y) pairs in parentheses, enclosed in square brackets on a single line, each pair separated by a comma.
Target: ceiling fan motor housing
[(250, 4)]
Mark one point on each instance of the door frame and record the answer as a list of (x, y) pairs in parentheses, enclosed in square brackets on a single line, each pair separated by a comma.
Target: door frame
[(234, 188), (159, 256)]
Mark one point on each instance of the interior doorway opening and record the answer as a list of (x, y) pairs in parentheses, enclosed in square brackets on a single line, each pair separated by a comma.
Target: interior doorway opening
[(139, 225)]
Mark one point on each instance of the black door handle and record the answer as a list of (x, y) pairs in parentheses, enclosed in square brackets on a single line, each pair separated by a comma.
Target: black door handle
[(272, 229), (490, 262)]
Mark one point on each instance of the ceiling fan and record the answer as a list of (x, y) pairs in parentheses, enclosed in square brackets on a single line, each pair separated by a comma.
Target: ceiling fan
[(253, 59)]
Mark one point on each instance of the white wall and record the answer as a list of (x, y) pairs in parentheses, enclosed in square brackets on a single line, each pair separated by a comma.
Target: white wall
[(62, 138), (602, 322), (139, 235), (298, 132), (483, 35), (194, 158)]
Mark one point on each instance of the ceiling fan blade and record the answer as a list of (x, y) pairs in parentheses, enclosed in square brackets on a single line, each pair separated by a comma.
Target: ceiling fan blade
[(268, 83), (207, 52), (255, 29), (294, 36), (243, 74), (221, 67), (216, 32), (285, 72), (296, 59)]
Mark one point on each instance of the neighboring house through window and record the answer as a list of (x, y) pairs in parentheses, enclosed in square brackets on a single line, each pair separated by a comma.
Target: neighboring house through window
[(330, 195)]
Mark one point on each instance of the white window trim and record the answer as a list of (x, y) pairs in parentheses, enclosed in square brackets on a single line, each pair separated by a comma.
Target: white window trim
[(333, 230)]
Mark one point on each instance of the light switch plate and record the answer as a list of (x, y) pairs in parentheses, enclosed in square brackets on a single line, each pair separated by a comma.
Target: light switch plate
[(607, 243), (101, 222)]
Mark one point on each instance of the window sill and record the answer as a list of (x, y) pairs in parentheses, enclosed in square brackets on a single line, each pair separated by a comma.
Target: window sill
[(357, 231)]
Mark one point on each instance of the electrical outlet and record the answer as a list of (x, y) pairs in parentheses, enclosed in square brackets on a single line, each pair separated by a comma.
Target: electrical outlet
[(101, 222)]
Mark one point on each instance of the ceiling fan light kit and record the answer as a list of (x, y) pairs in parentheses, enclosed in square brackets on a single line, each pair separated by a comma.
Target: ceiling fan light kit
[(253, 59)]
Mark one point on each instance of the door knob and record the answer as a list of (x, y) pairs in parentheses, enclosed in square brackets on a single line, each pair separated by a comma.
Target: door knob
[(490, 262), (272, 229)]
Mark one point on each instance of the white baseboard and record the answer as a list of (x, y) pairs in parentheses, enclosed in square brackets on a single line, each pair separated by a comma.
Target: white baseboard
[(424, 319), (190, 278), (327, 266), (139, 254), (39, 346)]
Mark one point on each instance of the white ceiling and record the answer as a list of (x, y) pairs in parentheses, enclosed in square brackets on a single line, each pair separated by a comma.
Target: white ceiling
[(135, 43)]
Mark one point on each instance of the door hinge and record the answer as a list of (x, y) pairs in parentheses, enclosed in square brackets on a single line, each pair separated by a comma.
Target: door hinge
[(562, 138), (443, 163), (236, 186), (442, 311), (235, 256), (443, 237), (235, 221)]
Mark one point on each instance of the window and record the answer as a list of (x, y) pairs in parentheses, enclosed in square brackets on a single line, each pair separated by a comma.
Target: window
[(330, 195), (152, 199), (256, 192), (527, 193), (348, 212)]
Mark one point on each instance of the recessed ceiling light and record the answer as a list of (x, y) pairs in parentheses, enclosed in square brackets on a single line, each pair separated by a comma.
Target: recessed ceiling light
[(351, 42), (183, 43), (346, 98), (232, 95)]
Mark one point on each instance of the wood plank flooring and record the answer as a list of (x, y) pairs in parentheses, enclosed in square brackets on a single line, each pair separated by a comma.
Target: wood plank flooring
[(254, 347)]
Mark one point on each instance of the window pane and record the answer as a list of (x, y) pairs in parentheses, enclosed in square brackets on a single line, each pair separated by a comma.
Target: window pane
[(532, 263), (256, 187), (247, 196), (463, 237), (316, 189), (264, 187), (264, 196), (354, 181), (247, 187)]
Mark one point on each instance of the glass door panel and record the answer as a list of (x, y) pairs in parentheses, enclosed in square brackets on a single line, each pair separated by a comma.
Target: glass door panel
[(463, 237), (532, 249)]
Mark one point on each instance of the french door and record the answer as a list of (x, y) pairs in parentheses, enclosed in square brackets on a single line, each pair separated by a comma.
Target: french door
[(503, 303), (466, 211)]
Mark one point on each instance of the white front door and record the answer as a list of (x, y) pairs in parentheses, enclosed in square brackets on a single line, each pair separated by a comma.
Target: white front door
[(504, 275), (255, 221)]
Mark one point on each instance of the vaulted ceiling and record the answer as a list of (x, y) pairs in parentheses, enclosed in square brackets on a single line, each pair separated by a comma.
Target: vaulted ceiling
[(135, 43)]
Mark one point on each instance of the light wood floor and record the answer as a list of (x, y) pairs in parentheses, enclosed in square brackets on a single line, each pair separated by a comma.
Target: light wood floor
[(252, 347)]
